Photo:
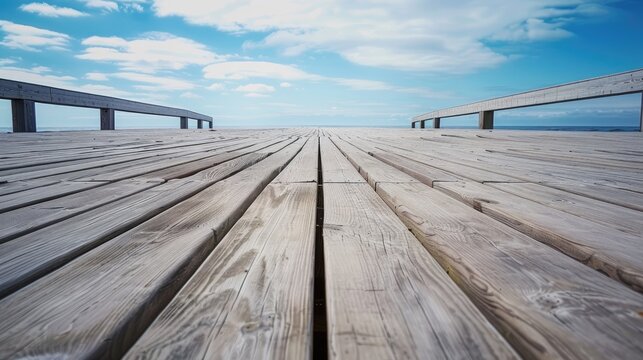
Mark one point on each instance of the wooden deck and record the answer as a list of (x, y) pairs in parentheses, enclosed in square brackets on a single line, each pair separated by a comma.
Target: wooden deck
[(314, 243)]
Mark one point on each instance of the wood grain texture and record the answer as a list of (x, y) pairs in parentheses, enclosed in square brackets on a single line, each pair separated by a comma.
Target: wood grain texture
[(252, 298), (386, 296), (31, 218), (335, 166), (545, 303), (98, 304), (617, 217), (32, 255), (303, 167), (621, 257), (374, 171)]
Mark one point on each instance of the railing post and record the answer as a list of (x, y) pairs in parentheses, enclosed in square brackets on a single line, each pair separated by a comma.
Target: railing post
[(107, 121), (413, 125), (23, 114), (485, 119), (436, 123), (422, 124), (184, 122), (199, 124)]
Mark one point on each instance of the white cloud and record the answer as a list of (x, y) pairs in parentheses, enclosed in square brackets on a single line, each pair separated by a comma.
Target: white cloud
[(31, 38), (37, 75), (105, 90), (190, 95), (4, 62), (533, 29), (44, 9), (102, 4), (239, 70), (96, 76), (150, 53), (155, 83), (360, 84), (40, 69), (116, 5), (256, 88), (421, 35), (216, 87), (255, 95)]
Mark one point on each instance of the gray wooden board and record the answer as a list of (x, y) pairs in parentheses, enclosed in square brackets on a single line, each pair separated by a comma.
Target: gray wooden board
[(104, 176), (424, 173), (304, 166), (108, 164), (387, 298), (106, 298), (617, 217), (335, 166), (32, 196), (252, 297), (545, 303), (31, 218), (371, 169), (28, 257), (457, 169), (616, 253), (192, 167)]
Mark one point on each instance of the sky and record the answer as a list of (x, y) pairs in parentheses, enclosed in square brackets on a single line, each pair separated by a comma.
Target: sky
[(321, 63)]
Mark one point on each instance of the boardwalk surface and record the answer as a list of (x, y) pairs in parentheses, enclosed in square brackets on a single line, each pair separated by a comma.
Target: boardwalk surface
[(313, 243)]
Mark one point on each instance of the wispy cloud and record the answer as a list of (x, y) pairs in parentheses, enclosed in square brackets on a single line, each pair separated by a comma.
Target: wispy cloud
[(243, 70), (116, 5), (239, 70), (44, 9), (418, 35), (96, 76), (256, 90), (39, 75), (155, 83), (216, 87), (152, 52), (31, 38), (104, 5)]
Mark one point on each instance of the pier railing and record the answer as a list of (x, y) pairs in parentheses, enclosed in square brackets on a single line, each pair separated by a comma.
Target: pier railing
[(611, 85), (23, 97)]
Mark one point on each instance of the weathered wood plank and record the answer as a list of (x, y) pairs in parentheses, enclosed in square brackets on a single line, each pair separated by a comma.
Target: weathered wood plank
[(252, 298), (613, 252), (303, 167), (386, 296), (39, 194), (28, 257), (335, 166), (105, 299), (545, 303), (31, 218), (373, 170), (617, 217)]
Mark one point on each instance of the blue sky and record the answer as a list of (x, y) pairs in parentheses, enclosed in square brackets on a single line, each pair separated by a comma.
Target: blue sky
[(326, 62)]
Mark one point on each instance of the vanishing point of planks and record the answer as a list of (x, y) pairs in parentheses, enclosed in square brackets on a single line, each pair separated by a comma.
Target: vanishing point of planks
[(315, 243)]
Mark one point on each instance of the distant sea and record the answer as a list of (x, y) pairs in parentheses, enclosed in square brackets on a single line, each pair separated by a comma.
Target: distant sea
[(499, 127)]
